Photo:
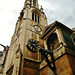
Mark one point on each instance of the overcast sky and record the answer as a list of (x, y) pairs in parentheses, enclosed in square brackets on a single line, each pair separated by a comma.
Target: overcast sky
[(60, 10)]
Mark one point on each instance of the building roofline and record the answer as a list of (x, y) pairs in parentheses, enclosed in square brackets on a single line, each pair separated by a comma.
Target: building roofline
[(53, 25)]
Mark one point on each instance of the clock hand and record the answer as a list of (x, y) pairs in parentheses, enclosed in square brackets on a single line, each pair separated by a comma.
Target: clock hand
[(34, 45)]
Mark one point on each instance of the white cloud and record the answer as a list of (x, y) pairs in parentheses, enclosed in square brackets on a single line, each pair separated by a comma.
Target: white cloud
[(61, 10), (9, 13)]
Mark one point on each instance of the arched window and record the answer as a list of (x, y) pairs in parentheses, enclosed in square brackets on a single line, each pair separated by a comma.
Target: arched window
[(52, 42), (36, 16), (38, 19), (33, 16)]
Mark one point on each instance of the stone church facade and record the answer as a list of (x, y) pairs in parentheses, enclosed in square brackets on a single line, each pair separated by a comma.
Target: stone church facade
[(56, 37)]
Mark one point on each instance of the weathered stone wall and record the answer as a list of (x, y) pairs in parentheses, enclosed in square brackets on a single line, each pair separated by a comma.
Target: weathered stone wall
[(63, 66), (30, 71), (72, 63)]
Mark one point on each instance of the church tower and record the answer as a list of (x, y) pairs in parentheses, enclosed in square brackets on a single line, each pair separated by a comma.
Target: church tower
[(56, 38), (30, 25)]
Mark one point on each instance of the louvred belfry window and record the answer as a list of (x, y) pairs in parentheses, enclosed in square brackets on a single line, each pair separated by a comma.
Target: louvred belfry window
[(35, 17), (38, 19)]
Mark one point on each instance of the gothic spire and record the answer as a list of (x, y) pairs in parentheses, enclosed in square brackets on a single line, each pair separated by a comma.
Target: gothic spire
[(32, 3)]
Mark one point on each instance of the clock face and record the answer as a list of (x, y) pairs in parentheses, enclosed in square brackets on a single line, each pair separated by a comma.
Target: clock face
[(33, 45), (37, 28)]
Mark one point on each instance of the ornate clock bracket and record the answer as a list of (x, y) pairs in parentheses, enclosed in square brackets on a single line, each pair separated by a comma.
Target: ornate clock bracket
[(45, 53), (33, 46)]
